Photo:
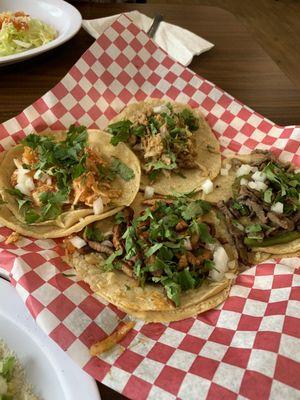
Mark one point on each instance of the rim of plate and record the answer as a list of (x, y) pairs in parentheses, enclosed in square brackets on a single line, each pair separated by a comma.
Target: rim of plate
[(59, 40)]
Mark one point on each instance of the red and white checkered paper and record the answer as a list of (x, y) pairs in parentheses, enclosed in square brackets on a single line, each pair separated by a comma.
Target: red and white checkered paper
[(248, 348)]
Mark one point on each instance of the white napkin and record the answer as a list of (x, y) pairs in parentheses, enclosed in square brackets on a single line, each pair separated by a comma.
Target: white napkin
[(179, 43)]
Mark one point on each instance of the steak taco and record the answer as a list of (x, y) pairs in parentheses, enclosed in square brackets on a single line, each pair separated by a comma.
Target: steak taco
[(57, 179), (259, 198), (161, 259), (175, 145)]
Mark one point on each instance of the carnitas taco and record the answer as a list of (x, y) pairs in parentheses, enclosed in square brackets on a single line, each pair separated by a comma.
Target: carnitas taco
[(54, 181), (160, 260), (259, 198), (175, 145)]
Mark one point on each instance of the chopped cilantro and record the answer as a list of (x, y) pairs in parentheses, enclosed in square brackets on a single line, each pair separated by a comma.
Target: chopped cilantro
[(190, 120), (173, 290), (185, 279), (15, 192), (109, 262), (253, 228), (52, 204), (202, 230), (197, 207), (153, 249), (93, 233), (120, 130), (241, 208), (119, 168)]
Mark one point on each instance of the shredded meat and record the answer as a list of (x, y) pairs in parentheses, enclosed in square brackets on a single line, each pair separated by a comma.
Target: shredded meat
[(183, 262), (181, 226), (116, 239), (152, 202), (153, 146), (100, 248), (39, 190), (237, 235), (281, 221), (127, 269), (257, 209), (128, 214), (29, 156)]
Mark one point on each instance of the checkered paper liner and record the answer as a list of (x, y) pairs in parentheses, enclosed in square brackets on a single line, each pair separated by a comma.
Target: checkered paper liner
[(247, 348)]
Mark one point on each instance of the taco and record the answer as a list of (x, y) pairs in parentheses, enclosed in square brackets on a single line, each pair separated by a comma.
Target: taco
[(160, 260), (259, 198), (175, 145), (58, 179)]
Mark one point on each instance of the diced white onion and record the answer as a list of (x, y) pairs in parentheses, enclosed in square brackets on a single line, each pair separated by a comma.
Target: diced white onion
[(277, 207), (220, 260), (228, 166), (187, 244), (207, 186), (244, 182), (77, 242), (258, 186), (98, 206), (149, 192), (24, 182), (161, 109), (259, 176), (244, 169), (224, 171), (107, 243)]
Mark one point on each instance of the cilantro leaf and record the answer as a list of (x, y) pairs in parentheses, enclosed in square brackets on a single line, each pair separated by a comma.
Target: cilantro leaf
[(15, 192), (109, 262), (253, 228), (185, 279), (203, 232), (173, 290), (125, 172), (120, 130), (52, 203), (93, 233), (190, 120), (24, 202), (153, 249), (196, 208), (31, 216)]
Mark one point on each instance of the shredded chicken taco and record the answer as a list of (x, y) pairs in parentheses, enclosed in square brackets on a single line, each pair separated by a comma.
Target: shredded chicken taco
[(161, 259), (176, 147), (56, 180), (259, 197)]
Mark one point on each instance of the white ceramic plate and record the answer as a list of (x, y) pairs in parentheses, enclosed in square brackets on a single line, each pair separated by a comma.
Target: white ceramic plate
[(64, 18), (53, 374)]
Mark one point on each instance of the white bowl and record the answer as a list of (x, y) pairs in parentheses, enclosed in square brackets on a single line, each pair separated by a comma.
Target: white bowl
[(62, 16), (52, 373)]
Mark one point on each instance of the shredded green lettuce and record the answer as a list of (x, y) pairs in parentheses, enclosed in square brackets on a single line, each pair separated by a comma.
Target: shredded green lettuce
[(14, 40)]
